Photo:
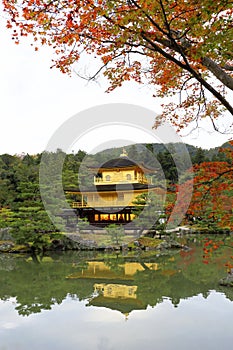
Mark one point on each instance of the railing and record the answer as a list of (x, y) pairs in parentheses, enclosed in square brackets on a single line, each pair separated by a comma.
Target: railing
[(116, 203), (99, 181), (79, 205), (75, 205)]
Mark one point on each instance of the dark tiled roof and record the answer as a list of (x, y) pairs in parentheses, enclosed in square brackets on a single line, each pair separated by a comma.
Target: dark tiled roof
[(121, 162), (117, 163), (112, 188)]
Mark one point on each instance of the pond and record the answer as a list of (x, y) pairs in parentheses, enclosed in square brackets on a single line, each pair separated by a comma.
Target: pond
[(101, 301)]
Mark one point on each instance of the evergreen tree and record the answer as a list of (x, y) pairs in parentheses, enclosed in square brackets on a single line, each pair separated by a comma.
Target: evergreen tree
[(199, 156), (168, 166)]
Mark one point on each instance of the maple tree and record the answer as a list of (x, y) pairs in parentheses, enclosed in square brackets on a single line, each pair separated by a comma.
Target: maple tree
[(181, 48), (213, 195), (211, 206), (211, 185), (212, 198)]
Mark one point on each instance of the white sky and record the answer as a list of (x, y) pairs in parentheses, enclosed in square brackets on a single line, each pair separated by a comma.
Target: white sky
[(36, 100)]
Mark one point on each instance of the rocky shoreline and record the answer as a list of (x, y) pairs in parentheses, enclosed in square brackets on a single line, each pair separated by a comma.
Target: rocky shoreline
[(168, 239), (74, 242)]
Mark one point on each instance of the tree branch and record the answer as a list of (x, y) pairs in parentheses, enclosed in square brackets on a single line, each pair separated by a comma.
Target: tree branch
[(192, 71), (214, 68)]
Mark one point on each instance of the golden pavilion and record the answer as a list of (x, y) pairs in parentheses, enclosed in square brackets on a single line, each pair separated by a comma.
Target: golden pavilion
[(111, 198)]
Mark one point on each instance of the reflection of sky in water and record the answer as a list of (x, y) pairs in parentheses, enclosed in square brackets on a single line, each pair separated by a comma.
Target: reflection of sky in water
[(197, 323)]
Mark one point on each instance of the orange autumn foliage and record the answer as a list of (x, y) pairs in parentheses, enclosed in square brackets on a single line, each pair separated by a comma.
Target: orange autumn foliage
[(212, 193), (178, 47)]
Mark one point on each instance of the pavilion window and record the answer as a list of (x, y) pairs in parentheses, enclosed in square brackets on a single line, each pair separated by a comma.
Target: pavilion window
[(128, 177)]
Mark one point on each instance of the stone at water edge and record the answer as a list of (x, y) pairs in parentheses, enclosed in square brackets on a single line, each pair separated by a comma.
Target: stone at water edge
[(228, 280)]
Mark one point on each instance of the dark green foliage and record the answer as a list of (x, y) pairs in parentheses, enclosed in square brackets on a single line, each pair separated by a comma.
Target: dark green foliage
[(199, 156), (21, 207), (168, 166), (32, 225), (116, 233)]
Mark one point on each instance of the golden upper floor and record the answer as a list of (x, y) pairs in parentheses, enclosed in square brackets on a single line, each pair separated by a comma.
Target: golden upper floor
[(118, 176), (120, 170)]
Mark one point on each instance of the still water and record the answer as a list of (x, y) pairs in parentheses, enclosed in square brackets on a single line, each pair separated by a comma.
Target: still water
[(96, 301)]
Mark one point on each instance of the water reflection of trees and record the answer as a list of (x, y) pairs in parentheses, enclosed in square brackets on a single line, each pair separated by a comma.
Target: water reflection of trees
[(147, 280)]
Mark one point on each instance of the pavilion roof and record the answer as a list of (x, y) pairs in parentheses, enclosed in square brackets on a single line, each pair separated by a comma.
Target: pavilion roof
[(122, 162), (112, 187)]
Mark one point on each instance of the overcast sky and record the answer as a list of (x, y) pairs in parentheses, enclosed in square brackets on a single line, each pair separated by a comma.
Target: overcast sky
[(36, 100)]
